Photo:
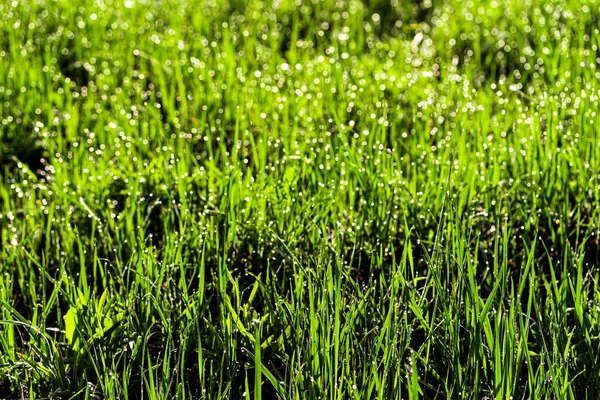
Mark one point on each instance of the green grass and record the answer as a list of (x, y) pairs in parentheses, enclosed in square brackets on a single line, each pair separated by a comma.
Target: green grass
[(299, 199)]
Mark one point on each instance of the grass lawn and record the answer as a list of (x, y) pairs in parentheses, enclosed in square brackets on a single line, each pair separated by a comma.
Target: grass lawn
[(299, 199)]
